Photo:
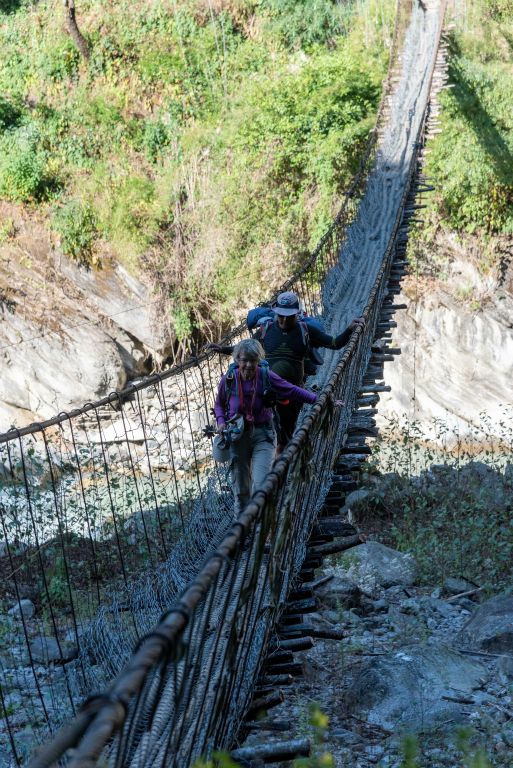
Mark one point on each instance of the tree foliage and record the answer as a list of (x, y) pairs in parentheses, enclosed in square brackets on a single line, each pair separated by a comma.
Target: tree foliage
[(472, 158), (205, 143)]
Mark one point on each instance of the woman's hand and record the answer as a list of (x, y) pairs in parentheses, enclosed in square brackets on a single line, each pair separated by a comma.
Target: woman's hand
[(357, 322), (212, 347), (339, 403)]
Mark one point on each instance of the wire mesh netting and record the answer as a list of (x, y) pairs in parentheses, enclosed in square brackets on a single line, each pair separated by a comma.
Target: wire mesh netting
[(110, 513)]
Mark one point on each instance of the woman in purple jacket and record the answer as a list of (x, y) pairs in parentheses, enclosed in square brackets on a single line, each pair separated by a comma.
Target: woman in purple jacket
[(242, 393)]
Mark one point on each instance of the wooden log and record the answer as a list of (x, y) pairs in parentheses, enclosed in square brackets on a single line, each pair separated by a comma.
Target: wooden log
[(295, 644), (338, 546), (292, 618), (276, 680), (342, 486), (293, 631), (330, 510), (279, 657), (355, 464), (335, 500), (355, 449), (468, 593), (364, 432), (322, 580), (374, 371), (376, 388), (365, 413), (301, 593), (314, 541), (367, 400), (328, 633), (305, 606), (269, 725), (272, 752), (336, 526), (325, 633), (264, 703), (307, 574), (293, 668)]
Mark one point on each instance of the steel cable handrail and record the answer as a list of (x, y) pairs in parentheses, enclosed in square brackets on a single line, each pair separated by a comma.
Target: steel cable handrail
[(153, 537), (167, 635)]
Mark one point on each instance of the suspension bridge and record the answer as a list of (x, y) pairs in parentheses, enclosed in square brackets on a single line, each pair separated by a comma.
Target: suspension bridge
[(146, 626)]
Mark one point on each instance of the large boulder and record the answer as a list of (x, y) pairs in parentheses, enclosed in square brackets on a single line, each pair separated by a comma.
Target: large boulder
[(339, 592), (25, 608), (46, 650), (491, 627), (373, 565), (413, 689)]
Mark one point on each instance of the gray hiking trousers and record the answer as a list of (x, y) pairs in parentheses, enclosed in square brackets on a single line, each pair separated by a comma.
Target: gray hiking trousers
[(251, 460)]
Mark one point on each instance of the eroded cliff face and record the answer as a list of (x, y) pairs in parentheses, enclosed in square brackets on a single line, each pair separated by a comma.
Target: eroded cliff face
[(457, 351), (70, 335), (67, 335)]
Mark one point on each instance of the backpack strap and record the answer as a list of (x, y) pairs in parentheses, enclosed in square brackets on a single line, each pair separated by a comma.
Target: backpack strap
[(304, 333), (230, 386), (266, 379), (264, 327)]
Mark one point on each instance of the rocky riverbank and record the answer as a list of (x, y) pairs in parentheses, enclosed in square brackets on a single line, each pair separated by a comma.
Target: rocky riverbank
[(424, 668)]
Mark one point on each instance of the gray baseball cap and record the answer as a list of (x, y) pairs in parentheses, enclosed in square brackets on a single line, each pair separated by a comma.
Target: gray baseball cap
[(287, 304)]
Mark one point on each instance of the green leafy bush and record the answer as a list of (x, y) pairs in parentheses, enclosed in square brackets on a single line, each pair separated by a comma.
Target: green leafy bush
[(303, 23), (471, 160), (10, 114), (24, 174), (75, 223), (199, 141), (156, 139), (449, 505)]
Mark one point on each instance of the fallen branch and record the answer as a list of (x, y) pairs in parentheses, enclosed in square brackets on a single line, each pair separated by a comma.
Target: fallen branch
[(465, 594)]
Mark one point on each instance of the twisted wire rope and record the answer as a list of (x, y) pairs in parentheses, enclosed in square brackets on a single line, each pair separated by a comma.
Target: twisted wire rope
[(126, 492)]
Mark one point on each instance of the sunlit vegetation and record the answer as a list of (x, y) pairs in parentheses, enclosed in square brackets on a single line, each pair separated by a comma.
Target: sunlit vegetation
[(205, 142)]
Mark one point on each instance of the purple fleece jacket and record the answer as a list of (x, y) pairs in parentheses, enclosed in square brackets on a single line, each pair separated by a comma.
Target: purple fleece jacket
[(262, 415)]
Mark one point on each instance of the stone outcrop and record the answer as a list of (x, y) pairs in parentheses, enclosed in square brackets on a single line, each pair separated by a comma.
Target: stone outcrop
[(68, 335), (490, 629), (457, 356), (413, 688), (373, 565)]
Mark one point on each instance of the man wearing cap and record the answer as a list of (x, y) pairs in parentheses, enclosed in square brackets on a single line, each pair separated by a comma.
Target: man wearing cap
[(286, 346)]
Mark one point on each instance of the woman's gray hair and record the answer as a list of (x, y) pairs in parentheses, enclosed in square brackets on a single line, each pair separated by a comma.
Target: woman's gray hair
[(250, 348)]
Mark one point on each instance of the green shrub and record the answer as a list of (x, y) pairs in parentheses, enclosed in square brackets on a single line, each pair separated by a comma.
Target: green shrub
[(498, 9), (76, 225), (262, 141), (449, 506), (303, 23), (129, 219), (156, 139), (471, 160), (24, 174), (57, 60), (10, 114)]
